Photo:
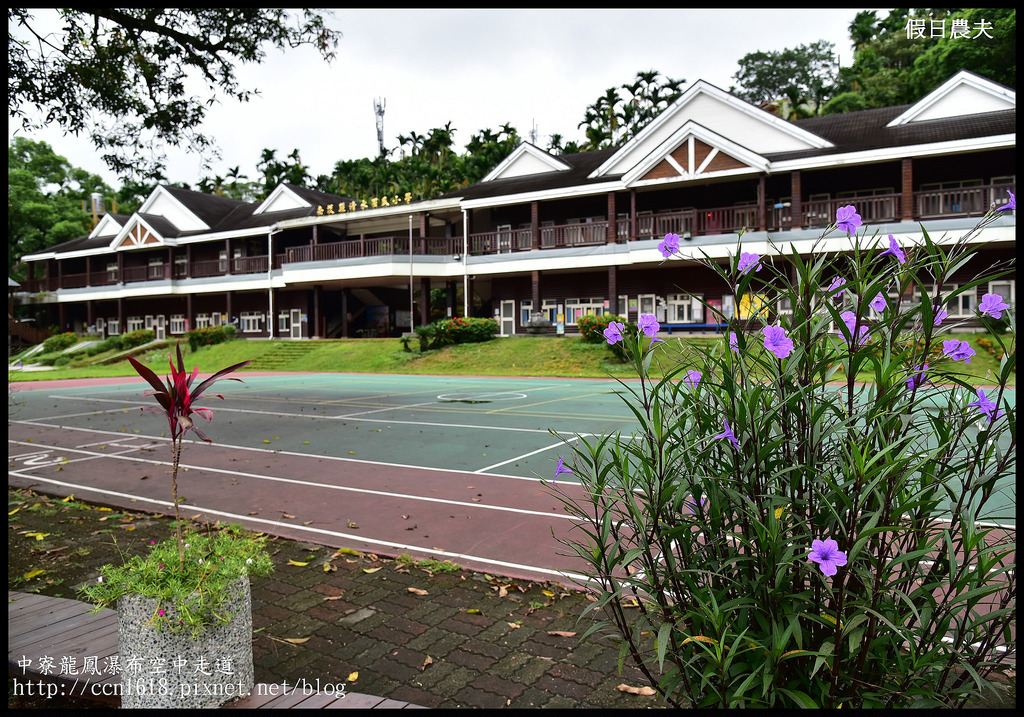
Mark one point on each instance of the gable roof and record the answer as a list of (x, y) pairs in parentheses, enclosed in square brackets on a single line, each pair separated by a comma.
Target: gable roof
[(963, 94), (524, 160)]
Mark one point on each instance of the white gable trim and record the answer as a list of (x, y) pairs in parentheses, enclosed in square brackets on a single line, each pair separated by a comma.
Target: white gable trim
[(125, 233), (502, 170), (180, 216), (107, 226), (281, 199), (686, 134), (657, 126), (1002, 95)]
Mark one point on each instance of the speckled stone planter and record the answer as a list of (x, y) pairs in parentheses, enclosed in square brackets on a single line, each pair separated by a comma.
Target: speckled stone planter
[(170, 670)]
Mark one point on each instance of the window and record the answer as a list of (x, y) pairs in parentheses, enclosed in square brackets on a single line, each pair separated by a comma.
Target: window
[(135, 323), (149, 322), (177, 324), (784, 306), (685, 309), (202, 321), (156, 269), (112, 271), (113, 327), (252, 322), (216, 319), (180, 266), (961, 305), (575, 308), (284, 323), (525, 312), (549, 308), (1004, 289)]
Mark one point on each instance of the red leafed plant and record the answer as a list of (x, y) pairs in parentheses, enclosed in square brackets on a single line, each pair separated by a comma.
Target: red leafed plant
[(177, 401)]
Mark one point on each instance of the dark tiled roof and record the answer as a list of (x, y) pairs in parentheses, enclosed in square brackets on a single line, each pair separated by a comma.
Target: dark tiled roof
[(210, 208), (581, 165), (161, 226)]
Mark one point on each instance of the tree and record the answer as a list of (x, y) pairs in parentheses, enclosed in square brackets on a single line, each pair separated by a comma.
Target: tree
[(44, 200), (614, 118), (801, 79), (275, 171), (131, 77)]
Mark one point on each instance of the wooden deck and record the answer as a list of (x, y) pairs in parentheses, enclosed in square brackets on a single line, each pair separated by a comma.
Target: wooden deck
[(62, 633)]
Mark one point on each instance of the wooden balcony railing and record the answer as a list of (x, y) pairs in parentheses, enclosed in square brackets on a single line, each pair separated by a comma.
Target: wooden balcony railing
[(376, 246)]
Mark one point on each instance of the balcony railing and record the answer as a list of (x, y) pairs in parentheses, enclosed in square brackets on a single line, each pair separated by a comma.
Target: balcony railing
[(376, 246)]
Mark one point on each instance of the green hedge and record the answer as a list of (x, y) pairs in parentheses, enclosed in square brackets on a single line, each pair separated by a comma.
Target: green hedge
[(136, 338), (59, 342), (456, 330), (592, 327), (210, 336)]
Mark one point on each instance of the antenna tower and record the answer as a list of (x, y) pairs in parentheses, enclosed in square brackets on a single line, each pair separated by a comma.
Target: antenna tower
[(378, 109)]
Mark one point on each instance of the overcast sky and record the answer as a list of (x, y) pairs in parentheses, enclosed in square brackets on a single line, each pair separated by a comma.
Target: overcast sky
[(474, 68)]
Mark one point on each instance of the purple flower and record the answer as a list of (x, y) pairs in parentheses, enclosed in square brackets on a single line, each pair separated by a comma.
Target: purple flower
[(161, 612), (692, 378), (836, 286), (917, 378), (692, 504), (669, 246), (827, 555), (878, 303), (847, 219), (850, 319), (648, 324), (992, 305), (614, 332), (776, 341), (958, 350), (939, 315), (1010, 205), (727, 433), (894, 250), (986, 405), (734, 343), (560, 468), (747, 261)]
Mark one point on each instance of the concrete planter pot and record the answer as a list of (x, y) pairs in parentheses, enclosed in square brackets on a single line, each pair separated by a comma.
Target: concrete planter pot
[(168, 670)]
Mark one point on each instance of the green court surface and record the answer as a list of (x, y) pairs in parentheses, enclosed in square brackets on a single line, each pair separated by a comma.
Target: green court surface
[(486, 425)]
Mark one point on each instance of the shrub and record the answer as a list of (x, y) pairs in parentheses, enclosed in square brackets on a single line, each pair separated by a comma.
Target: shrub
[(59, 342), (136, 338), (457, 330), (592, 327), (209, 336), (62, 361), (785, 542)]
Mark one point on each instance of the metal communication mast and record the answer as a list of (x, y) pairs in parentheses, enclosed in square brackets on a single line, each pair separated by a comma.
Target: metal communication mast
[(378, 109)]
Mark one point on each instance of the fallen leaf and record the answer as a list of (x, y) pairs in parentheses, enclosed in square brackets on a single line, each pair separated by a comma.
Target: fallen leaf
[(328, 568), (514, 625), (307, 522), (473, 611), (14, 511), (646, 691), (286, 515), (548, 593), (297, 564), (353, 676), (561, 633), (69, 498), (297, 640), (334, 597), (29, 576), (428, 661), (417, 591), (255, 512), (370, 570), (353, 525)]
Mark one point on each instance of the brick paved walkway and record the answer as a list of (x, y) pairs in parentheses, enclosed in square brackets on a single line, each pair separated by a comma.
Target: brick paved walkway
[(461, 644)]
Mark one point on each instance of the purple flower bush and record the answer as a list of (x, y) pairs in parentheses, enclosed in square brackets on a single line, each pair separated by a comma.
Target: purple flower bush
[(839, 466)]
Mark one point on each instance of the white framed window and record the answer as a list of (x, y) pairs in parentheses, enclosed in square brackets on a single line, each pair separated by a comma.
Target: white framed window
[(156, 269), (149, 322), (575, 308), (177, 324), (549, 308), (252, 322), (1005, 289), (284, 322), (959, 306), (685, 309), (113, 327), (525, 311), (783, 306), (135, 323), (112, 271), (216, 319), (202, 321)]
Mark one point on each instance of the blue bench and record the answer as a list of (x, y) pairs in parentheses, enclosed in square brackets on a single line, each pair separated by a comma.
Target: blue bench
[(670, 327)]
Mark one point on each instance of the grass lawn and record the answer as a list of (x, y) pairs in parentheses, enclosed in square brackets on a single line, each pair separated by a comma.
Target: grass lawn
[(515, 356)]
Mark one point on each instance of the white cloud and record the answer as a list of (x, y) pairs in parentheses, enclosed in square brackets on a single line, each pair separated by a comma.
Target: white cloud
[(475, 68)]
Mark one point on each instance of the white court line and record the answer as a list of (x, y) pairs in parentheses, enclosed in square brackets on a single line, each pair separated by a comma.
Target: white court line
[(330, 418), (91, 413), (406, 466), (313, 484), (389, 408), (526, 455), (305, 528)]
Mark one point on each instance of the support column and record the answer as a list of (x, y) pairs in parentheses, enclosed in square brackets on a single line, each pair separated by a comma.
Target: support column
[(316, 329), (613, 289), (535, 290), (88, 271), (796, 206), (227, 252), (907, 191), (612, 232), (424, 300), (89, 314), (228, 295), (120, 315), (423, 238), (60, 316), (452, 299), (535, 225), (344, 313), (632, 215), (762, 204), (189, 323)]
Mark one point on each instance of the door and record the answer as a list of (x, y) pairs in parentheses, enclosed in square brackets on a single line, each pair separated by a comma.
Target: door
[(161, 328), (508, 318), (504, 238), (296, 323), (646, 304), (101, 326)]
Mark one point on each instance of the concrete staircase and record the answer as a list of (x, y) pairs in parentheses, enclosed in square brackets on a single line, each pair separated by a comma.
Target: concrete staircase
[(283, 356)]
